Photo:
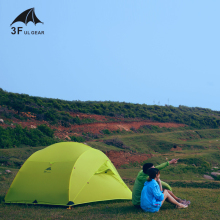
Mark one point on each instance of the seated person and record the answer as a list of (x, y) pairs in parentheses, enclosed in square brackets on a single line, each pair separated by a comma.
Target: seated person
[(152, 196), (142, 178)]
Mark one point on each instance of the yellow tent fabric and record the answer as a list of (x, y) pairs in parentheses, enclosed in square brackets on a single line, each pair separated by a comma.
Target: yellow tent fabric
[(67, 173)]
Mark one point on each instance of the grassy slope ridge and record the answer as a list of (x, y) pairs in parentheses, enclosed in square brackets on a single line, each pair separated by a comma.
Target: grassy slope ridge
[(57, 111)]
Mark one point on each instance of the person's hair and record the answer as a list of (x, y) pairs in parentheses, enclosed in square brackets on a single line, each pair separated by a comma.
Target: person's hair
[(152, 172), (146, 167)]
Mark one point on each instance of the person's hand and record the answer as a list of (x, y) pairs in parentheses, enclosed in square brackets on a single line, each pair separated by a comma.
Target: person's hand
[(173, 161), (158, 179)]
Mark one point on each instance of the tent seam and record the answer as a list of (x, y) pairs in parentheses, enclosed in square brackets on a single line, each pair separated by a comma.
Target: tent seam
[(72, 172), (87, 180)]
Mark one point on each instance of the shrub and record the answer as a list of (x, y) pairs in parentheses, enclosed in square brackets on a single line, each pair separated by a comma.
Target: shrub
[(76, 120), (117, 143), (106, 131), (12, 137), (18, 106), (65, 124), (133, 129), (46, 130), (77, 138)]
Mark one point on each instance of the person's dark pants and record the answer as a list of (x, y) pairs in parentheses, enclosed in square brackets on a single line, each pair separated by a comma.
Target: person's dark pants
[(137, 206)]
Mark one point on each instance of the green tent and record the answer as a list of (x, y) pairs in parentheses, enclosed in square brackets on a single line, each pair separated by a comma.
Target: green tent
[(67, 173)]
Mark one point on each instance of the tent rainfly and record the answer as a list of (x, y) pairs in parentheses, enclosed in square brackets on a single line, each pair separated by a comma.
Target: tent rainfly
[(68, 174)]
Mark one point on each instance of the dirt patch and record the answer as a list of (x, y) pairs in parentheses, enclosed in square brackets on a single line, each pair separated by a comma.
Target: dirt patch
[(92, 116), (113, 126), (94, 128), (182, 139), (103, 123), (176, 148), (30, 123), (119, 158)]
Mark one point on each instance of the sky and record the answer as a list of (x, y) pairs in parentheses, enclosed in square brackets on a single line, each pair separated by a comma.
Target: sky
[(152, 52)]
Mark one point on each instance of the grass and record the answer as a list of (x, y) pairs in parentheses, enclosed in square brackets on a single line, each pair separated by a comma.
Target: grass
[(204, 205), (163, 142)]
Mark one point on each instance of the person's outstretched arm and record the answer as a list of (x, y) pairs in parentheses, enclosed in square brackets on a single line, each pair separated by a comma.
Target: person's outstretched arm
[(163, 165)]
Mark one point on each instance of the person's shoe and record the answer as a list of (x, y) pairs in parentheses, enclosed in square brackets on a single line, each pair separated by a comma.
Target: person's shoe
[(182, 206), (186, 202), (183, 201)]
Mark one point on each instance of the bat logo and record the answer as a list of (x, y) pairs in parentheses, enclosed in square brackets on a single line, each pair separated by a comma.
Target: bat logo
[(26, 16), (48, 170)]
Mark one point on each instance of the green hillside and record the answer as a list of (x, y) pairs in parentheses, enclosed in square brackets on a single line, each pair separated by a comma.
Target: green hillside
[(57, 111), (196, 145)]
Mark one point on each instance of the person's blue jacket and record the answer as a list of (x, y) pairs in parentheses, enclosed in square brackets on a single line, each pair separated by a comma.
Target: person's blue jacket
[(151, 196)]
